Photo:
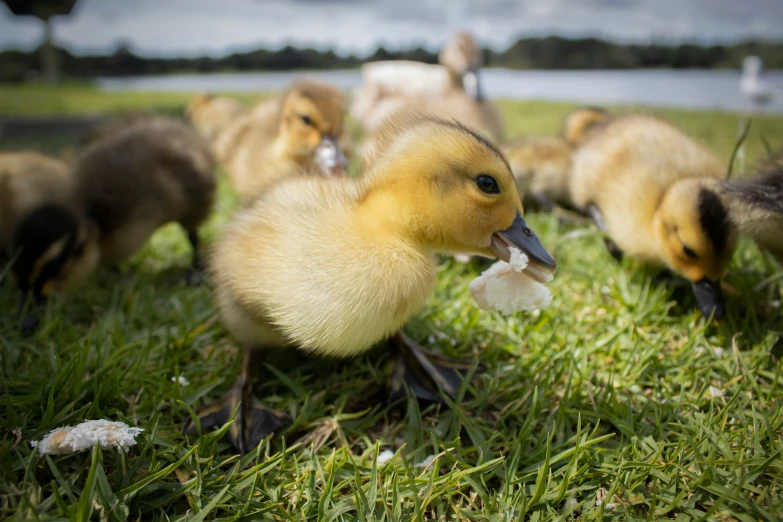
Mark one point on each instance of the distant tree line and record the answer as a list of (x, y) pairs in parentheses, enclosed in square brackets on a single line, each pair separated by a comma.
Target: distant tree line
[(527, 53), (592, 53)]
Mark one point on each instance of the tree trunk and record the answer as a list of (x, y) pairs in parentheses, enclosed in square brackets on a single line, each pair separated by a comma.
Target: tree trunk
[(49, 54)]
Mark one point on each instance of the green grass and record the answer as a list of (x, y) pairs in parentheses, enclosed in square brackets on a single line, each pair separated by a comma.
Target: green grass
[(43, 100), (616, 392)]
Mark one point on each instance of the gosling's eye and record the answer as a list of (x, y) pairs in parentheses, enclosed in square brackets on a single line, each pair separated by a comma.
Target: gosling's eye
[(78, 250), (307, 120), (689, 252), (487, 184)]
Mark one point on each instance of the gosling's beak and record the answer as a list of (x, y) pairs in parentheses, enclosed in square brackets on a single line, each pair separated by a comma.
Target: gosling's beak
[(32, 320), (710, 298), (519, 235), (472, 86), (330, 158)]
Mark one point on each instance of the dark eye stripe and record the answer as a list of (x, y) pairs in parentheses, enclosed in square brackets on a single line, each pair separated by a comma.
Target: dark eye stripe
[(689, 252)]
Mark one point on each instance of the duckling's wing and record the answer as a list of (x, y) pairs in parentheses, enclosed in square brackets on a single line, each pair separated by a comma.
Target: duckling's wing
[(763, 192), (756, 208)]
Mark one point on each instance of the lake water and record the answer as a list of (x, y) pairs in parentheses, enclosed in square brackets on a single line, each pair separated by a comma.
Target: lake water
[(696, 89)]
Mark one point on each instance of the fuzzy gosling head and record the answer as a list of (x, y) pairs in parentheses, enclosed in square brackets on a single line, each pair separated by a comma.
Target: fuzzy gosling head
[(55, 248), (311, 123), (697, 238), (459, 196), (462, 57)]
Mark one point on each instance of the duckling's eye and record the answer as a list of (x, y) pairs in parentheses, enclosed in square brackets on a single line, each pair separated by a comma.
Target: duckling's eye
[(307, 120), (78, 250), (689, 252), (487, 184)]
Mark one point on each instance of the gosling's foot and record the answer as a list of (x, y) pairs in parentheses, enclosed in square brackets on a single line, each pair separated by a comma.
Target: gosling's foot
[(252, 423), (567, 217), (193, 277), (613, 249), (542, 202), (427, 374), (597, 216)]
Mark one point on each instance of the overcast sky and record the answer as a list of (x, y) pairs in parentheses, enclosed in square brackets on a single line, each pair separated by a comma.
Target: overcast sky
[(216, 27)]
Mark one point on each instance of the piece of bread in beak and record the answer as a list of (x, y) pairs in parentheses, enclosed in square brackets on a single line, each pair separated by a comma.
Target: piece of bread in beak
[(505, 288)]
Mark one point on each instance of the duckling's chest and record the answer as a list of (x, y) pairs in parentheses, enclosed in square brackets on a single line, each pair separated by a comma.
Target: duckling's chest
[(345, 311), (403, 281)]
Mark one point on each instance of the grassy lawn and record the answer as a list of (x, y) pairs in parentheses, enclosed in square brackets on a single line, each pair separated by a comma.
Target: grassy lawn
[(43, 100), (616, 401)]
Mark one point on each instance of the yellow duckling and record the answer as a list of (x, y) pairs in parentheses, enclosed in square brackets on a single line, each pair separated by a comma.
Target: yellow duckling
[(392, 79), (210, 115), (126, 185), (334, 266), (28, 180), (258, 151), (756, 206), (541, 167), (582, 122), (655, 192)]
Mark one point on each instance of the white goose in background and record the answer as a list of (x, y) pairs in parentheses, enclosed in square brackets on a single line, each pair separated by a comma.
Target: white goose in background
[(753, 87), (386, 85), (758, 93)]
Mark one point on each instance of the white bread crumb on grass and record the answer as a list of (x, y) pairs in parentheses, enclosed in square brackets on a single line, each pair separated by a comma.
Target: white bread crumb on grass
[(71, 439), (504, 288), (385, 456), (181, 380)]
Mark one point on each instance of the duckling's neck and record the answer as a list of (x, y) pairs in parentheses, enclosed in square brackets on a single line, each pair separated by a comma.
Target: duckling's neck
[(383, 218), (658, 239), (455, 79)]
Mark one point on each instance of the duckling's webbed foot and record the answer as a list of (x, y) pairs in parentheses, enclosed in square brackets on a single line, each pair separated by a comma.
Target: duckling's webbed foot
[(543, 202), (195, 275), (253, 420), (426, 374), (598, 218)]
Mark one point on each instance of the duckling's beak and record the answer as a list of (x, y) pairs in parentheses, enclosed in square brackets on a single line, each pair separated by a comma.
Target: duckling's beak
[(709, 296), (472, 86), (330, 158), (519, 235), (32, 320)]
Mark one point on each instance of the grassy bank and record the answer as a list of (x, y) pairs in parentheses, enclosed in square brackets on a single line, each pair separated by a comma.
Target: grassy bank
[(717, 128), (616, 401), (43, 100)]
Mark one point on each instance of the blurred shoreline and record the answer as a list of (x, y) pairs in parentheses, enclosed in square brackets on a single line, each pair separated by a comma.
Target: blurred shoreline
[(703, 89)]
